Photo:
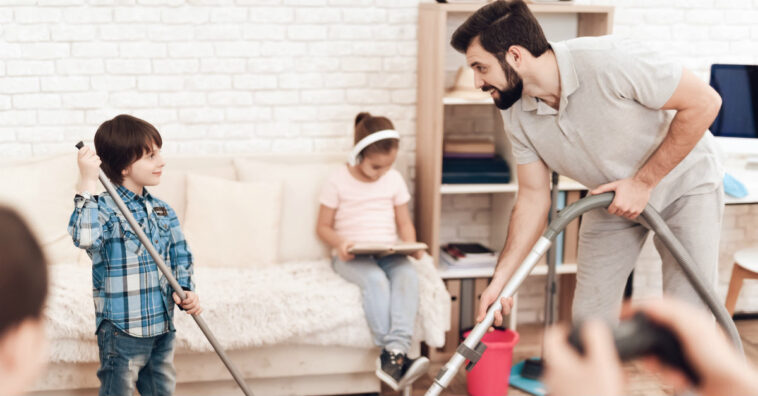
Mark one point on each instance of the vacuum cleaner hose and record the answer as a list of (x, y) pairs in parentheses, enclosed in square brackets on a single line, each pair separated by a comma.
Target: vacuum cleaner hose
[(664, 233), (470, 348)]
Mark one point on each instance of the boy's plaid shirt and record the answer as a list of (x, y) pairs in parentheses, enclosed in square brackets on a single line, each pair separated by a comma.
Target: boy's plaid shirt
[(128, 288)]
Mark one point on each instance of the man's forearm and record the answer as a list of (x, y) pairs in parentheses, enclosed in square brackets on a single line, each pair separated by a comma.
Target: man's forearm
[(686, 129), (528, 221)]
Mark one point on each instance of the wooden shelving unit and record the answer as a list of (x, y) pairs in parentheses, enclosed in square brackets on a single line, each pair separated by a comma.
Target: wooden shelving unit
[(433, 46), (433, 39)]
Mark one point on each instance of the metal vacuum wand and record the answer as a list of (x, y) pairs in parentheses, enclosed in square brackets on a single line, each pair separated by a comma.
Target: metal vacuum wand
[(472, 349), (170, 278)]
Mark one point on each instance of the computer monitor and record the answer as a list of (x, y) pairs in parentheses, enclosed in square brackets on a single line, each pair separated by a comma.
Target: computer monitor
[(736, 125)]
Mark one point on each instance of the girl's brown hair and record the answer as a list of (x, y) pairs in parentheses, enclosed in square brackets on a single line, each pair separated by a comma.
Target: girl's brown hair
[(366, 124)]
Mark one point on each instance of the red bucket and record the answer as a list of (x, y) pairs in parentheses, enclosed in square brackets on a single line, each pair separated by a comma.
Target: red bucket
[(491, 375)]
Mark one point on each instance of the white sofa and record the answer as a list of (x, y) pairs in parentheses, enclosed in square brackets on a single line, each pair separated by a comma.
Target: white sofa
[(285, 318)]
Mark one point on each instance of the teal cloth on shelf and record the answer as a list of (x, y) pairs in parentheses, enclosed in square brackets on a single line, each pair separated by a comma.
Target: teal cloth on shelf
[(734, 187)]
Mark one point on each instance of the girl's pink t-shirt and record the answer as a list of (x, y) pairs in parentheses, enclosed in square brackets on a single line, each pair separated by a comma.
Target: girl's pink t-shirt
[(365, 211)]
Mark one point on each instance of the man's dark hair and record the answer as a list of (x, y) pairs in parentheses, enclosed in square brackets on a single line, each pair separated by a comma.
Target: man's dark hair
[(499, 25), (122, 141), (23, 272)]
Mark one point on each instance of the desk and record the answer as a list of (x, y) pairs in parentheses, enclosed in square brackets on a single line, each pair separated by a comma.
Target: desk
[(748, 177)]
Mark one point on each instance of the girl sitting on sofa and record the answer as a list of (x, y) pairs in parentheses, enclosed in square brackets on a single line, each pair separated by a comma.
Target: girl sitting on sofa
[(366, 201)]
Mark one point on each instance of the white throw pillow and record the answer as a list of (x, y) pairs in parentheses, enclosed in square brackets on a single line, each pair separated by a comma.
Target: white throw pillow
[(42, 191), (232, 224), (300, 205), (173, 190)]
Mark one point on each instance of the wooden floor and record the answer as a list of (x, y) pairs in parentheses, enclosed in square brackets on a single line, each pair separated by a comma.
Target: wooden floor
[(639, 381)]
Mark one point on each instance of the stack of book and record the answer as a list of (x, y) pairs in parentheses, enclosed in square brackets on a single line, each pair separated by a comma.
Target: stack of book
[(467, 255), (468, 148), (472, 160)]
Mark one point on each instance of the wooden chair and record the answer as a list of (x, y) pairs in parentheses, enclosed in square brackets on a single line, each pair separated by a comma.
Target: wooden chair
[(745, 267)]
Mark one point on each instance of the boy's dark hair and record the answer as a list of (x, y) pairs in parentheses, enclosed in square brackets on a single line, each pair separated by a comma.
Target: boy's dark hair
[(366, 124), (499, 25), (23, 272), (122, 141)]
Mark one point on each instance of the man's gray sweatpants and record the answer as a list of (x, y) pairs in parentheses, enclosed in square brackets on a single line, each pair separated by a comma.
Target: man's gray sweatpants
[(609, 246)]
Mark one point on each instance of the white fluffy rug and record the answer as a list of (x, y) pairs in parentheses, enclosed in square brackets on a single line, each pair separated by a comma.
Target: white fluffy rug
[(293, 303)]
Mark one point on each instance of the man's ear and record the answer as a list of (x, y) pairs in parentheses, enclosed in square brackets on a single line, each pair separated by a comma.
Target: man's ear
[(126, 171), (514, 56)]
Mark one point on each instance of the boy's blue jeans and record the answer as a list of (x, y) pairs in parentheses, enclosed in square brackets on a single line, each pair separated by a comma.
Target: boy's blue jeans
[(390, 296), (126, 361)]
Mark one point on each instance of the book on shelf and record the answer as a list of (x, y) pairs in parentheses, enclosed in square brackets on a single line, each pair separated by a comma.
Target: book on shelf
[(467, 255), (477, 271), (453, 262), (470, 249), (468, 146), (466, 155), (475, 170), (386, 249)]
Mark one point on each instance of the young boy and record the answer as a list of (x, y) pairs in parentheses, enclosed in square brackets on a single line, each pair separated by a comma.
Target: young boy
[(133, 301), (23, 288)]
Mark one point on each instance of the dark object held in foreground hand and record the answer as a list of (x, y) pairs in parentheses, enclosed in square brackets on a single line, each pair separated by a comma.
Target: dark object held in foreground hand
[(639, 336)]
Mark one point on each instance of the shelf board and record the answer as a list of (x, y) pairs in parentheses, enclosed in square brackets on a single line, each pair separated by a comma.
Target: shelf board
[(446, 272), (449, 100), (562, 8), (537, 8), (568, 184), (482, 188), (565, 184)]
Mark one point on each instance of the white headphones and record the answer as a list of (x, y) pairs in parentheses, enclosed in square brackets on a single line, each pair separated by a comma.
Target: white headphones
[(370, 139)]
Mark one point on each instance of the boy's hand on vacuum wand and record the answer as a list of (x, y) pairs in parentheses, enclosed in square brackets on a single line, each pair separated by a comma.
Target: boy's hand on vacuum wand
[(89, 169), (191, 304)]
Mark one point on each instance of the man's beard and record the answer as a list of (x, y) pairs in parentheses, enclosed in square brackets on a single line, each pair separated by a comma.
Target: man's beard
[(505, 99)]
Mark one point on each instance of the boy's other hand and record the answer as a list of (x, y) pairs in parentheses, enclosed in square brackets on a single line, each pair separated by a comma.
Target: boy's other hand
[(89, 167), (342, 249), (191, 304)]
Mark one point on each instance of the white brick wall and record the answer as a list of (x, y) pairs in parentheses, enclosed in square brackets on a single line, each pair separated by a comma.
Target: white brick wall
[(213, 75), (207, 63), (276, 75)]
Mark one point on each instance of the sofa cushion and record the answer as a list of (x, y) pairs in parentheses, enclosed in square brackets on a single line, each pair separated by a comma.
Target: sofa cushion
[(173, 190), (42, 191), (302, 183), (232, 224), (173, 187), (295, 303)]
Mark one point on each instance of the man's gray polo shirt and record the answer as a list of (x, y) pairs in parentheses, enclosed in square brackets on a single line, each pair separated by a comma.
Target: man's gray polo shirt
[(609, 120)]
